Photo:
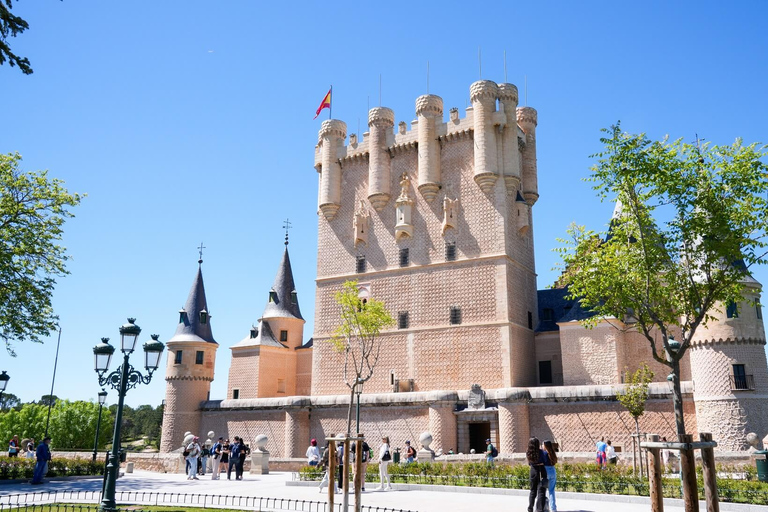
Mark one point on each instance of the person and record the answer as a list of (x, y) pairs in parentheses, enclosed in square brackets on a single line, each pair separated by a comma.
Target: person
[(193, 452), (364, 461), (224, 459), (313, 453), (43, 454), (490, 452), (216, 456), (325, 482), (205, 452), (538, 476), (410, 452), (234, 458), (31, 449), (600, 454), (244, 451), (385, 457), (549, 465), (340, 462), (13, 447), (610, 453), (665, 456)]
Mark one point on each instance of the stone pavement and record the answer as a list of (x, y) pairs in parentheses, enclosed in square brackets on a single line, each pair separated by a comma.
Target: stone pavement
[(274, 486)]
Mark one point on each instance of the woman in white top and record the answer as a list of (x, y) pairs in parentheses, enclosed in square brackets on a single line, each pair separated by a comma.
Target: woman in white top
[(610, 454), (385, 457), (313, 453), (193, 450)]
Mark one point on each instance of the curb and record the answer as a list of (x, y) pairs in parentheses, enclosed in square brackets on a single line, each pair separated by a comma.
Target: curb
[(615, 498)]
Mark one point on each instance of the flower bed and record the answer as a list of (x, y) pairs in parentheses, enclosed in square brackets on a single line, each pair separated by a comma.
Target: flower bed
[(16, 467), (570, 478)]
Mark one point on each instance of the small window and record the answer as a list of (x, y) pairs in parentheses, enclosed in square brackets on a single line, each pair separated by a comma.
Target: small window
[(759, 310), (182, 314), (199, 356), (732, 310), (545, 372), (360, 265), (177, 359), (405, 257), (455, 315), (740, 378), (294, 297), (283, 335), (272, 296), (547, 315), (402, 320), (203, 317), (530, 320), (281, 385), (254, 333), (235, 394), (450, 251)]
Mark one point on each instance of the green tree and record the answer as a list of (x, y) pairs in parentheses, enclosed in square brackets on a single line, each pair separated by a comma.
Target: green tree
[(11, 26), (357, 337), (47, 400), (33, 209), (634, 396), (9, 401), (690, 221)]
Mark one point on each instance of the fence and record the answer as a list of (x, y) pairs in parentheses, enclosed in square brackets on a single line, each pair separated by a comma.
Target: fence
[(34, 501)]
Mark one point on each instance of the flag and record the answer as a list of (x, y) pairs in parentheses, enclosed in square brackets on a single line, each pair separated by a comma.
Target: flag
[(326, 103)]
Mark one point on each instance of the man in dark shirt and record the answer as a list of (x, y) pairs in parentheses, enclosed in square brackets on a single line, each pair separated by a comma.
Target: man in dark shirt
[(43, 455)]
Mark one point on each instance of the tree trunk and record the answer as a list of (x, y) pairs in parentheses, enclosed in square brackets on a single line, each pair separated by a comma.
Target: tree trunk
[(351, 406), (677, 397), (639, 449)]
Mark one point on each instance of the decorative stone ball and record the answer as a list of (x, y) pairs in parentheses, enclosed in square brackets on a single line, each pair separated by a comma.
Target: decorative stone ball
[(188, 439), (211, 434), (260, 442), (753, 440), (187, 433), (425, 439)]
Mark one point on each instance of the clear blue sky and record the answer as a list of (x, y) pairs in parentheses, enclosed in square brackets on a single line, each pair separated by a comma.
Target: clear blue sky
[(192, 121)]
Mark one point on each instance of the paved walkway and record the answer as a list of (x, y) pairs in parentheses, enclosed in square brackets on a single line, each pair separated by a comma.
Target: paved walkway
[(274, 486)]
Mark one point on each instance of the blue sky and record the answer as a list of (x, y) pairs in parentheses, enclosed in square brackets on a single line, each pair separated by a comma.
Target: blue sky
[(192, 121)]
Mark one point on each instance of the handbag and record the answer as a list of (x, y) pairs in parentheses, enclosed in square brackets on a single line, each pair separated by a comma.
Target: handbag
[(386, 456)]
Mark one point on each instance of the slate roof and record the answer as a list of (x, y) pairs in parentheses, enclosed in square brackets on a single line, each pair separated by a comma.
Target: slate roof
[(308, 344), (264, 337), (283, 306), (564, 310), (190, 328)]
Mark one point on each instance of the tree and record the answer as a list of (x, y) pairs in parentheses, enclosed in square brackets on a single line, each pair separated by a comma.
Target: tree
[(690, 221), (634, 397), (33, 209), (9, 401), (357, 337), (11, 26), (47, 400)]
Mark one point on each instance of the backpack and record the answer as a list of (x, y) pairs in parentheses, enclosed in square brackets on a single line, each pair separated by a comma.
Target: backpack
[(494, 452), (234, 451)]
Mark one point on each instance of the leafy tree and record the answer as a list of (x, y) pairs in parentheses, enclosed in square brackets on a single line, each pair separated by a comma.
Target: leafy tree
[(47, 400), (11, 26), (9, 401), (33, 209), (635, 395), (357, 337), (690, 221)]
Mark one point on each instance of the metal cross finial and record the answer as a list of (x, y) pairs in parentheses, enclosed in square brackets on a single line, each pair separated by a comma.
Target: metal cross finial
[(286, 227), (200, 250), (698, 141)]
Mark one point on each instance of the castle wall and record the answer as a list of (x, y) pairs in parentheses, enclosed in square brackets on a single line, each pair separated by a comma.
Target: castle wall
[(548, 349), (591, 353), (244, 373), (304, 371), (277, 372)]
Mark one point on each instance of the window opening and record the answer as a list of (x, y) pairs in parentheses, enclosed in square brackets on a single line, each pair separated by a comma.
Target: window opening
[(732, 310), (450, 251), (360, 265), (545, 372), (199, 356), (283, 335), (402, 320), (530, 320), (235, 394), (405, 259), (177, 359), (455, 315)]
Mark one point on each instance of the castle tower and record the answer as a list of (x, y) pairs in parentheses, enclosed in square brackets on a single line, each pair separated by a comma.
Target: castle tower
[(429, 110), (380, 123), (527, 118), (510, 155), (269, 361), (730, 373), (331, 140), (483, 95), (189, 373)]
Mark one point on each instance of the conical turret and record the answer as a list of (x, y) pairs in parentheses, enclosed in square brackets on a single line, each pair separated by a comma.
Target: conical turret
[(283, 299), (194, 318)]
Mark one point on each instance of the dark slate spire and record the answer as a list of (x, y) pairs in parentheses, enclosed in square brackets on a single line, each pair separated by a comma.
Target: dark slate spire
[(283, 301), (194, 319)]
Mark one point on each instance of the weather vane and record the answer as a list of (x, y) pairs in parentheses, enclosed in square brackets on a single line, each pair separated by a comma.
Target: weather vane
[(200, 250), (286, 227)]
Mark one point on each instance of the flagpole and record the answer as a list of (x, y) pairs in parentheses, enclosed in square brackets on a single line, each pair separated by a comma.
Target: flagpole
[(330, 107)]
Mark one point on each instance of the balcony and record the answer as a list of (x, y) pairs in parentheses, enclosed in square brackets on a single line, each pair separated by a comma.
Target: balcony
[(742, 382)]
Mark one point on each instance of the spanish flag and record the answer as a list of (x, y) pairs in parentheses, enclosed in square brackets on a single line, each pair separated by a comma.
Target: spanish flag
[(326, 103)]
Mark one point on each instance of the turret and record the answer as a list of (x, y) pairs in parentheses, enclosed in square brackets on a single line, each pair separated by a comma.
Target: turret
[(527, 119), (510, 155), (189, 373), (429, 111), (380, 123), (483, 95), (332, 135)]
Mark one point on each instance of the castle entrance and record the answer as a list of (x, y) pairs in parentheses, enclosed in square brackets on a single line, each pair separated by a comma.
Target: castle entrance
[(478, 433)]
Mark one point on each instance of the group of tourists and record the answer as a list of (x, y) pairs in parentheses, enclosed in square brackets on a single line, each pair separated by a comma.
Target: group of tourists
[(42, 453), (315, 458), (223, 456), (606, 454)]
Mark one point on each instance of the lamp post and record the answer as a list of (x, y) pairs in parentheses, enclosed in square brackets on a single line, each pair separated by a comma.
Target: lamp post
[(358, 392), (4, 378), (102, 399), (121, 380)]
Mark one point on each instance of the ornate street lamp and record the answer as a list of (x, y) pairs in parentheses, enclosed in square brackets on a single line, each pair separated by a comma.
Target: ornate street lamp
[(4, 378), (102, 399), (121, 380)]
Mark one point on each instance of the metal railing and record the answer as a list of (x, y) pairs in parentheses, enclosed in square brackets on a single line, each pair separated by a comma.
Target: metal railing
[(61, 498), (742, 382)]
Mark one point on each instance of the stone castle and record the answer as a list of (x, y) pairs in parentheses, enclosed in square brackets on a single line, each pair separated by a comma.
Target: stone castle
[(437, 222)]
